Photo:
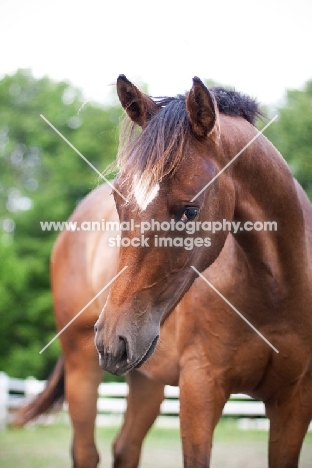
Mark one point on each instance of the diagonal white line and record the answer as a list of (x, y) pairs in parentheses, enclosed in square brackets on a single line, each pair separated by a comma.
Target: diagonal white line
[(235, 310), (83, 309), (82, 156), (235, 157)]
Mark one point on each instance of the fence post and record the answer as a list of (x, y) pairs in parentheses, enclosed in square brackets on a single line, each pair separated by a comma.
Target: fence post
[(33, 386), (4, 399)]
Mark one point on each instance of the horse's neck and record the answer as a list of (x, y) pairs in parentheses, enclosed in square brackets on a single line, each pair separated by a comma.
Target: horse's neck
[(265, 191)]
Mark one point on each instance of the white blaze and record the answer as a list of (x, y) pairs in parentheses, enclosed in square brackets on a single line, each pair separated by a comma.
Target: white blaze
[(144, 199)]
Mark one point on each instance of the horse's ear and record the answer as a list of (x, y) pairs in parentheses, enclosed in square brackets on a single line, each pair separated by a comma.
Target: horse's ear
[(201, 109), (138, 105)]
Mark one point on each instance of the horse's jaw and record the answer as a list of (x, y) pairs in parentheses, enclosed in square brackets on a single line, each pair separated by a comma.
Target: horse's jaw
[(126, 334)]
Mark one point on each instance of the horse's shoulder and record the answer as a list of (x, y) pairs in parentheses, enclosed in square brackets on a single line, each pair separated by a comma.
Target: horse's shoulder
[(94, 205)]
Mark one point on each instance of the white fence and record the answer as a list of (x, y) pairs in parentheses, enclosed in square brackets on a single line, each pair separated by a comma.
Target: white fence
[(112, 403)]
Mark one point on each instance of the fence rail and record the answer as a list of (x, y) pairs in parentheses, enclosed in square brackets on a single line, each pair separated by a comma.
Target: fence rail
[(111, 402)]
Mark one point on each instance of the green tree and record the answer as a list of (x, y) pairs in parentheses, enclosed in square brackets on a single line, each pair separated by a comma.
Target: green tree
[(291, 133), (42, 178)]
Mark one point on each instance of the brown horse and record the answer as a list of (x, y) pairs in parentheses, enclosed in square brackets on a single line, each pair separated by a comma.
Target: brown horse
[(82, 264), (179, 172)]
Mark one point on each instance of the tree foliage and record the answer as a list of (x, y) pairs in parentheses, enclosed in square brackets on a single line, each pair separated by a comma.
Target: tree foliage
[(42, 179), (291, 133)]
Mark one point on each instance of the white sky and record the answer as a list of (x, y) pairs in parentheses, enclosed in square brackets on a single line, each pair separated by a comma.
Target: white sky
[(260, 47)]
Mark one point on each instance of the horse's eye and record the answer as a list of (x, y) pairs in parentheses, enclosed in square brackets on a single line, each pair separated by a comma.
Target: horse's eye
[(189, 214)]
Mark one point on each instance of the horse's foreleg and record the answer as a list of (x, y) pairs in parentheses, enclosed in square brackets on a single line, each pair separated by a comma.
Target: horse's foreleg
[(202, 401), (83, 376), (289, 420), (143, 402)]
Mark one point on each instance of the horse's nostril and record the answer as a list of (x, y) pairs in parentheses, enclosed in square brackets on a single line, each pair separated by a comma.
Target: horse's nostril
[(122, 351), (95, 327)]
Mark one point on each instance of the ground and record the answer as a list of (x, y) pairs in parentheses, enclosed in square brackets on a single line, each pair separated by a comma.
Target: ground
[(48, 447)]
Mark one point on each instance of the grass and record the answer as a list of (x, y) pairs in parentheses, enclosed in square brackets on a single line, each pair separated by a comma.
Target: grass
[(48, 447)]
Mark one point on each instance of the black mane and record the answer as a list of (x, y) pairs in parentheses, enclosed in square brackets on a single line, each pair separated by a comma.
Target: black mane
[(229, 102)]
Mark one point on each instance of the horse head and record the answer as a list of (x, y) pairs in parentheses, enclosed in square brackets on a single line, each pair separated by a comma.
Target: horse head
[(162, 173)]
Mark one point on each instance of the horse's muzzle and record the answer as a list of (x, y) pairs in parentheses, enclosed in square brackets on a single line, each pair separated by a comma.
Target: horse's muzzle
[(120, 356)]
